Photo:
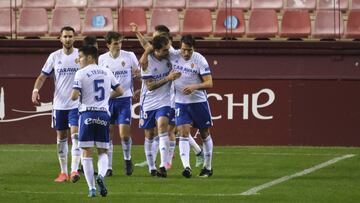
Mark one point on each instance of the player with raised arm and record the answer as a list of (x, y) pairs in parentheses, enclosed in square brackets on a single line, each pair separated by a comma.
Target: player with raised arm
[(155, 103), (62, 65), (93, 85), (191, 105), (123, 64)]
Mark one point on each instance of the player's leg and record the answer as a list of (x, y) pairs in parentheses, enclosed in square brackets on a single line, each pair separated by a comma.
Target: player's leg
[(155, 145), (172, 145), (75, 150), (60, 123), (162, 123), (147, 122), (199, 154), (87, 162), (208, 150), (114, 113)]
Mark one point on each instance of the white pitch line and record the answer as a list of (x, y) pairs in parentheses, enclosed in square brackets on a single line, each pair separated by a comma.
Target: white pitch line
[(256, 189)]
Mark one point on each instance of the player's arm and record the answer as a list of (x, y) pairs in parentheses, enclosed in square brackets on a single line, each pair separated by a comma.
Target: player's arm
[(75, 94), (117, 91), (144, 61), (40, 80), (144, 43), (152, 84), (206, 84)]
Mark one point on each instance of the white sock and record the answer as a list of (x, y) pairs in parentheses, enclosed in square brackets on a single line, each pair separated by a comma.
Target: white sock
[(163, 142), (172, 145), (194, 145), (62, 146), (184, 148), (149, 154), (110, 154), (155, 147), (126, 146), (103, 160), (75, 152), (89, 171), (208, 149)]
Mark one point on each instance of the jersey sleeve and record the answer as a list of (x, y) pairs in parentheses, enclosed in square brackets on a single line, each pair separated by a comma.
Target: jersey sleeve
[(48, 67), (114, 82), (101, 61), (203, 65), (134, 61), (77, 81), (147, 73)]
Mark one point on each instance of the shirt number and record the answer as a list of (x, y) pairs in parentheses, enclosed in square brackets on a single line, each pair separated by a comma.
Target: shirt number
[(99, 88)]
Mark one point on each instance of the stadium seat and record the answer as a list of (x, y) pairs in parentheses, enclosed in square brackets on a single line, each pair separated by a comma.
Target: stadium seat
[(90, 14), (353, 25), (355, 4), (301, 4), (237, 4), (208, 4), (33, 22), (295, 24), (129, 15), (176, 4), (220, 28), (333, 4), (113, 4), (80, 4), (267, 4), (7, 24), (263, 23), (197, 22), (47, 4), (144, 4), (328, 24), (168, 17), (14, 3), (65, 17)]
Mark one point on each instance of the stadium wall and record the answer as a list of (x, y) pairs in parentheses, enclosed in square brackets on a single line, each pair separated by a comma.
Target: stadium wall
[(265, 93)]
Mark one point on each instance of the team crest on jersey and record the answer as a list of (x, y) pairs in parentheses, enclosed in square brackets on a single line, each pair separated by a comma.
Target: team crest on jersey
[(59, 62), (192, 65), (123, 63)]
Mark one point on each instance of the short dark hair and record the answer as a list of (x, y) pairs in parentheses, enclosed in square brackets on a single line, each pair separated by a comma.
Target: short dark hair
[(89, 41), (89, 51), (67, 28), (162, 28), (112, 36), (160, 41), (188, 40)]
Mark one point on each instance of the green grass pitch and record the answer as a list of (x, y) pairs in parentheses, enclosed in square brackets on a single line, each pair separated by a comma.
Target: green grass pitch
[(27, 174)]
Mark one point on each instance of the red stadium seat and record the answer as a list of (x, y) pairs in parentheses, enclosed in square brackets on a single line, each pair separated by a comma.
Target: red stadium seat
[(7, 23), (267, 4), (220, 28), (301, 4), (197, 22), (47, 4), (65, 17), (333, 4), (263, 23), (80, 4), (33, 22), (90, 29), (145, 4), (237, 4), (355, 4), (295, 24), (353, 25), (176, 4), (208, 4), (14, 3), (167, 17), (113, 4), (129, 15), (328, 24)]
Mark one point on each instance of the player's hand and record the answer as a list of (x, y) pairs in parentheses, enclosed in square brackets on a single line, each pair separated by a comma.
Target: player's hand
[(134, 27), (189, 89), (173, 75), (35, 98)]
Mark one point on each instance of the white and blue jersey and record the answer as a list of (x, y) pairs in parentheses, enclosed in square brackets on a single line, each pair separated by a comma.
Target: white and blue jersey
[(160, 97), (95, 85), (122, 67), (64, 68), (193, 108)]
